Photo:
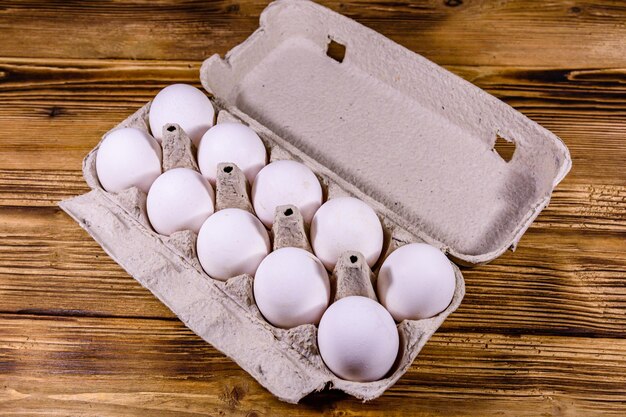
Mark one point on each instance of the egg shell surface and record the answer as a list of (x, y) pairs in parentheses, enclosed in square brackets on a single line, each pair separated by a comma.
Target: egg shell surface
[(185, 105), (358, 339), (232, 143), (286, 182), (128, 157), (291, 287), (346, 224), (416, 281)]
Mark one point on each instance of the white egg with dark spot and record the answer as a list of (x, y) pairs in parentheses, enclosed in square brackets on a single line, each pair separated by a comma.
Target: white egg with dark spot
[(184, 105), (358, 339), (128, 157), (416, 281), (346, 224), (233, 143), (286, 182), (180, 199)]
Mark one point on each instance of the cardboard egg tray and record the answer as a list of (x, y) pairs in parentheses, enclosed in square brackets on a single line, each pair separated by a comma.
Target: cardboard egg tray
[(381, 124)]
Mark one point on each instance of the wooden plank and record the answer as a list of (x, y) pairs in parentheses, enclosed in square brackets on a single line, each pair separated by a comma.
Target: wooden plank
[(566, 33), (50, 266), (39, 188), (55, 111), (162, 367)]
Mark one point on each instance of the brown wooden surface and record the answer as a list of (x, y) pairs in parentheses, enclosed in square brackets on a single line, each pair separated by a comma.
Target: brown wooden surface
[(541, 331)]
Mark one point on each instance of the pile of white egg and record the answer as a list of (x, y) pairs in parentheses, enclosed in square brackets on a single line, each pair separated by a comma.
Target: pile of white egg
[(357, 336)]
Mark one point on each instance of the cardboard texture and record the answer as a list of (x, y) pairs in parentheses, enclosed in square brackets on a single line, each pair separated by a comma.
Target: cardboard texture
[(384, 125), (394, 127)]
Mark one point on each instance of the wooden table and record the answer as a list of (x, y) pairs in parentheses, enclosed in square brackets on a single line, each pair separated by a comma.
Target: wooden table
[(541, 331)]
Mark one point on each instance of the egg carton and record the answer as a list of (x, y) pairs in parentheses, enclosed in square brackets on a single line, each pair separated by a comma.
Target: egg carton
[(379, 123)]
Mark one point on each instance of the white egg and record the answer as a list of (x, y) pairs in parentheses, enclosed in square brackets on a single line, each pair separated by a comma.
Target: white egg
[(346, 224), (291, 287), (286, 182), (232, 242), (231, 142), (180, 199), (416, 281), (185, 105), (358, 339), (128, 157)]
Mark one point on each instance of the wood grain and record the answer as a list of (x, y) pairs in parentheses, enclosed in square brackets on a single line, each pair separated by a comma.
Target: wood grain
[(541, 331), (92, 367), (481, 32)]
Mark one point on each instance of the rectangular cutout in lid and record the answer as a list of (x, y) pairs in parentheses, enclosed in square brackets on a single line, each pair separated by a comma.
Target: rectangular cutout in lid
[(407, 133)]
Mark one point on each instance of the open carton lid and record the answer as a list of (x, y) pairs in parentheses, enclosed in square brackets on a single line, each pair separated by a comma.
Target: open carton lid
[(398, 131)]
